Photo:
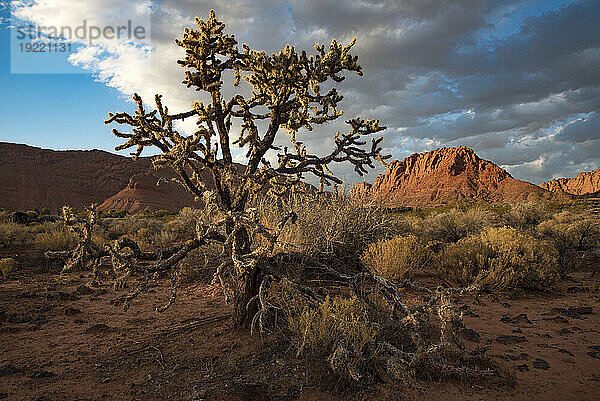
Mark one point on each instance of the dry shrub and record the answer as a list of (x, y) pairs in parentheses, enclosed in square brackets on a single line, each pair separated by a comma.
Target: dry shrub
[(571, 235), (55, 240), (499, 259), (520, 261), (13, 234), (460, 263), (6, 266), (453, 225), (528, 215), (335, 230), (335, 320), (397, 258)]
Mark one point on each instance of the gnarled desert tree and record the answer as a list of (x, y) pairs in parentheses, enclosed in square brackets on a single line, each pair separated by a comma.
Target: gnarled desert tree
[(286, 96)]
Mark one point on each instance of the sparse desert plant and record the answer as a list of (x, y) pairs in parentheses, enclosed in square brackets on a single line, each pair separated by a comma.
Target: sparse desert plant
[(397, 258), (520, 262), (455, 224), (12, 234), (6, 266), (460, 263), (571, 234), (527, 215)]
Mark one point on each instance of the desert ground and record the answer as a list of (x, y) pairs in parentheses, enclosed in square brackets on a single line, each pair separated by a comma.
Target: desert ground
[(64, 340)]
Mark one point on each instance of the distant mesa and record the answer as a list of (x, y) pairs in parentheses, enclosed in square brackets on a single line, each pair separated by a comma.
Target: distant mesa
[(31, 178), (446, 176), (587, 183)]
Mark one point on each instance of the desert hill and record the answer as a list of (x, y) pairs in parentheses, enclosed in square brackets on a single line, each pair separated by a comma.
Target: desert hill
[(32, 177), (447, 175), (145, 192), (585, 183)]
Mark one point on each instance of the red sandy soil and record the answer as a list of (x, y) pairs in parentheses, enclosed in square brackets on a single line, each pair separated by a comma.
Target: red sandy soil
[(191, 352)]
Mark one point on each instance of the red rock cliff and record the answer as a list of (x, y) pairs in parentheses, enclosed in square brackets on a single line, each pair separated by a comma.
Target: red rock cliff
[(447, 175), (584, 183)]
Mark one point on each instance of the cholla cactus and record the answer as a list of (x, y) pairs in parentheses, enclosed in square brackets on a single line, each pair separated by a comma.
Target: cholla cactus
[(286, 96), (86, 254)]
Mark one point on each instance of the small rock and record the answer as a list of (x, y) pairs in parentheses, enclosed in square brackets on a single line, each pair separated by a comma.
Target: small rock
[(595, 347), (517, 331), (84, 290), (3, 396), (564, 331), (582, 310), (7, 370), (506, 319), (541, 364), (71, 311), (522, 319), (42, 374), (523, 368), (506, 305), (558, 319), (544, 335), (565, 351), (509, 340), (470, 335), (96, 328)]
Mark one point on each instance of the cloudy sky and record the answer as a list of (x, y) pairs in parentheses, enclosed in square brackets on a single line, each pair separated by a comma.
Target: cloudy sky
[(518, 81)]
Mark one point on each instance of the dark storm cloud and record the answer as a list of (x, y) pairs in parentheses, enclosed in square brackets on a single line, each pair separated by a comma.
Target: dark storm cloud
[(519, 81)]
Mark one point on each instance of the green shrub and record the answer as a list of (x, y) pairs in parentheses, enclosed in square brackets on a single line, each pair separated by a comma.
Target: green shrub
[(397, 258)]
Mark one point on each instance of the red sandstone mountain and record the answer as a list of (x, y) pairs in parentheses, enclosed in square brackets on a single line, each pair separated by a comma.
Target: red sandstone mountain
[(145, 192), (444, 176), (583, 184), (31, 177)]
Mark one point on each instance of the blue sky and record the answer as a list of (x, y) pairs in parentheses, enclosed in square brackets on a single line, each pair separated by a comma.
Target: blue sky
[(56, 111), (516, 80)]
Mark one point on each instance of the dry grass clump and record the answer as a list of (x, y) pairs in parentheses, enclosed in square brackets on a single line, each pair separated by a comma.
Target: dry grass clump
[(335, 230), (525, 216), (397, 258), (13, 234), (455, 224)]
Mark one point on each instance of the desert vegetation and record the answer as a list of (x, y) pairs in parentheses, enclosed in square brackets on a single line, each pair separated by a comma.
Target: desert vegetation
[(335, 278)]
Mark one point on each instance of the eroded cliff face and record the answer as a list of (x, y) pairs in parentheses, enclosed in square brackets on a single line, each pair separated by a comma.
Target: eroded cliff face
[(32, 177), (447, 175), (584, 183)]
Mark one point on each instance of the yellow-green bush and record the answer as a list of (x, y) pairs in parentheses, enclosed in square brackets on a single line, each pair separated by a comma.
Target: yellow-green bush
[(397, 258), (520, 261), (317, 329), (461, 262)]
